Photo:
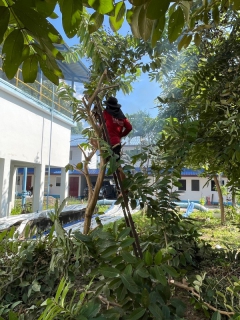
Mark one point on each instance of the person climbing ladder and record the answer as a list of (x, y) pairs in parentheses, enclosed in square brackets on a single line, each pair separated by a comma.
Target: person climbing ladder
[(118, 126)]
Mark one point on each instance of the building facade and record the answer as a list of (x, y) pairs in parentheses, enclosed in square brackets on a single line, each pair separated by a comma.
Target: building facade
[(35, 133)]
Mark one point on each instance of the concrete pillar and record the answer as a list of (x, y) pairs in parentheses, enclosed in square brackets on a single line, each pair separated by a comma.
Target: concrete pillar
[(64, 185), (38, 187), (4, 186), (12, 187)]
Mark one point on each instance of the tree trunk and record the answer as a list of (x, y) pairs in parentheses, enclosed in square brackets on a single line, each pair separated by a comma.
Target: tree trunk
[(89, 182), (220, 197), (93, 200)]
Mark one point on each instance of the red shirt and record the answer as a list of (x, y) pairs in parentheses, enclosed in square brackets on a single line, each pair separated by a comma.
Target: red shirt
[(117, 128)]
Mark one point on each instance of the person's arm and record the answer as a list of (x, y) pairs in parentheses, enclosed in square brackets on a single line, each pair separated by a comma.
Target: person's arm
[(128, 128)]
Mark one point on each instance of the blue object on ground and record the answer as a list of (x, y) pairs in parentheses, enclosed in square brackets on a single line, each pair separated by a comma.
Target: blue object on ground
[(189, 209)]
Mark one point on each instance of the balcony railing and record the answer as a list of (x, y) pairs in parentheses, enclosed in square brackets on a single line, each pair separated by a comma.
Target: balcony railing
[(42, 90)]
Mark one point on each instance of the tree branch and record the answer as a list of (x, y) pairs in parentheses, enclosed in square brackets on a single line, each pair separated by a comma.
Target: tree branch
[(108, 87), (185, 287)]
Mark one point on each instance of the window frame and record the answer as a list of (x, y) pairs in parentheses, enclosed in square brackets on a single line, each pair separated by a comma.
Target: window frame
[(195, 180), (58, 181), (183, 186)]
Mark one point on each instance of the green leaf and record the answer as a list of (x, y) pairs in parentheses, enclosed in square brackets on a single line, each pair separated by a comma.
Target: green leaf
[(176, 23), (109, 272), (134, 21), (102, 6), (136, 314), (142, 272), (127, 242), (79, 166), (133, 203), (12, 315), (185, 41), (215, 14), (185, 5), (90, 310), (117, 20), (109, 251), (145, 298), (71, 16), (125, 232), (45, 7), (48, 72), (148, 259), (170, 270), (144, 25), (158, 28), (139, 2), (158, 274), (216, 316), (236, 5), (129, 283), (121, 11), (158, 257), (30, 68), (197, 39), (5, 16), (12, 48), (95, 22), (36, 24), (156, 9), (36, 286), (156, 311), (128, 257)]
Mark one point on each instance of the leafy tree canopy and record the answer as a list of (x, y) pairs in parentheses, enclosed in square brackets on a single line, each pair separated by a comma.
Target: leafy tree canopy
[(28, 37)]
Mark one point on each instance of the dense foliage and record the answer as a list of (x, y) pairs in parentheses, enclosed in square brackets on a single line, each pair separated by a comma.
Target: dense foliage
[(28, 37)]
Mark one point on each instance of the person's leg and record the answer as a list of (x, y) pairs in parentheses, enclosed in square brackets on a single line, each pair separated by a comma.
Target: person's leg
[(117, 150)]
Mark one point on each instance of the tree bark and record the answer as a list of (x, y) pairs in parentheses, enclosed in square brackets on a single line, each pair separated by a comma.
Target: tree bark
[(220, 197), (94, 198)]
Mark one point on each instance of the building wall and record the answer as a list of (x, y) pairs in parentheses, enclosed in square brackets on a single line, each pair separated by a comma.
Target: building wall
[(204, 191), (25, 132), (76, 156), (31, 136)]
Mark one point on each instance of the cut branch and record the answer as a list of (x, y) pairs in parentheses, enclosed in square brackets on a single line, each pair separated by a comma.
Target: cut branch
[(190, 289)]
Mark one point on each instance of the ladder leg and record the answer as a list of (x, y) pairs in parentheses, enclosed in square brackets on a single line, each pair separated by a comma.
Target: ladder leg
[(127, 219), (131, 222)]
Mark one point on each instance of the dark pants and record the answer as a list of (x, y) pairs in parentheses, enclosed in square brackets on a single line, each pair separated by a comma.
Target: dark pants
[(117, 151)]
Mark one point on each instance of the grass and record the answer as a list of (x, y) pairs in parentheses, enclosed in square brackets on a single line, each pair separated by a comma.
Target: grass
[(213, 232)]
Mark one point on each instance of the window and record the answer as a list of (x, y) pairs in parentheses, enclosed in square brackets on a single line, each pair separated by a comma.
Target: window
[(58, 181), (195, 185), (70, 155), (183, 183), (213, 186)]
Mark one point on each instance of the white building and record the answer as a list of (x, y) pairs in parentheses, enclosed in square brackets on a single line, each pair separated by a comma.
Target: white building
[(35, 133), (195, 187)]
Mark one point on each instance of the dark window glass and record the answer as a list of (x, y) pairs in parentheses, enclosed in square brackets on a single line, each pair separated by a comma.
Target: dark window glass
[(213, 186), (195, 185), (183, 187)]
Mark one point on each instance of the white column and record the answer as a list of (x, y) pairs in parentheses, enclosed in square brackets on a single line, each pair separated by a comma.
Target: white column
[(64, 185), (38, 187), (12, 187), (4, 186)]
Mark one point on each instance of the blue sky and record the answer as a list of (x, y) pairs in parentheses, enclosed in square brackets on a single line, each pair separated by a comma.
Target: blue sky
[(144, 92)]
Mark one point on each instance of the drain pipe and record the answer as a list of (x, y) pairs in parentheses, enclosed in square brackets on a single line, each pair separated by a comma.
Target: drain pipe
[(50, 146), (24, 187)]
